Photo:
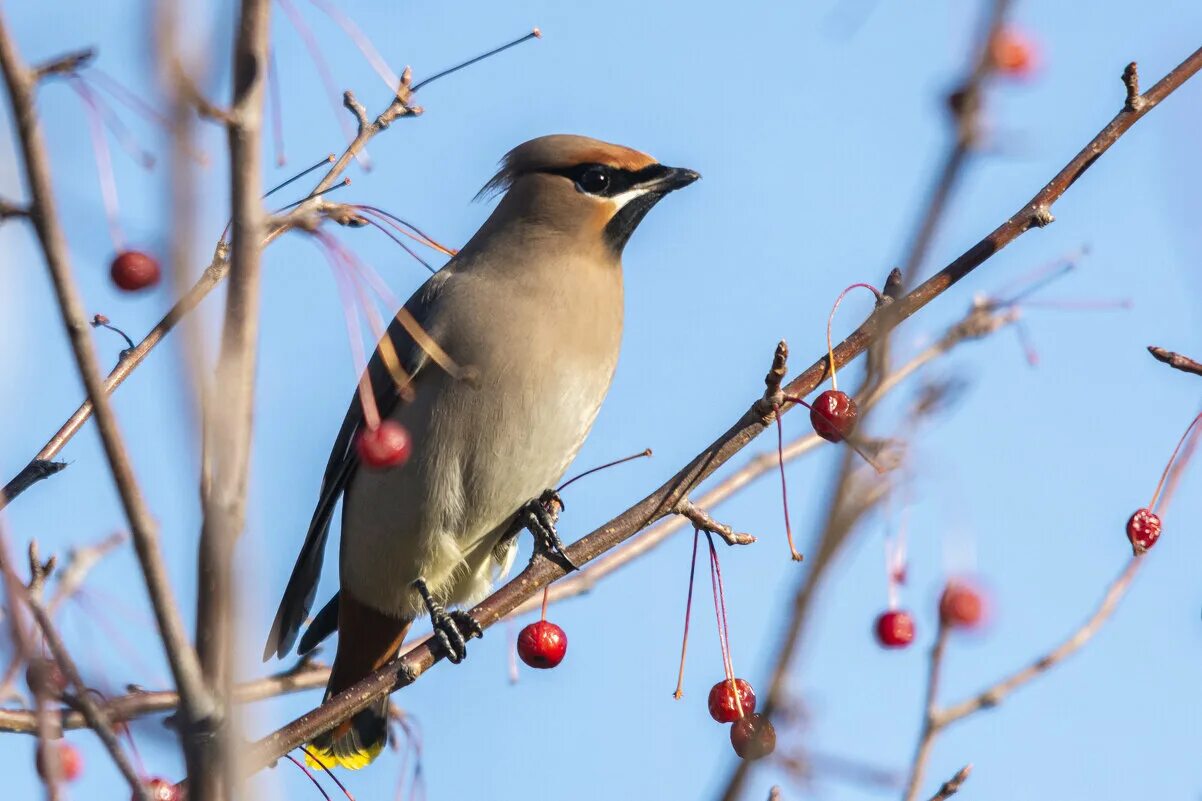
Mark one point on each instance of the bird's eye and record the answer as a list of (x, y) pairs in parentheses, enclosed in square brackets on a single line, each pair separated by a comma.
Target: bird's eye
[(594, 179)]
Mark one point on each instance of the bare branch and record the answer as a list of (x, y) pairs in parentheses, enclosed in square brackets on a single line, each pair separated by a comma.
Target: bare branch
[(965, 103), (21, 83), (701, 519), (63, 65), (1183, 363), (993, 695), (8, 209), (228, 425), (931, 723), (952, 785), (97, 720), (306, 675)]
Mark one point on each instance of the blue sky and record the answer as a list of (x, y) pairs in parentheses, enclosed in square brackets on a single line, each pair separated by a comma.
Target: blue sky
[(816, 145)]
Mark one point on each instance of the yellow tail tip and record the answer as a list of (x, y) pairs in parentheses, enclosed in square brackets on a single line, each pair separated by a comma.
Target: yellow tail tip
[(319, 757)]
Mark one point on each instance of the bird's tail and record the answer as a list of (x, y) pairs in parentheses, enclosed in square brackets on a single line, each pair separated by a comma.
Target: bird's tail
[(353, 744), (367, 639)]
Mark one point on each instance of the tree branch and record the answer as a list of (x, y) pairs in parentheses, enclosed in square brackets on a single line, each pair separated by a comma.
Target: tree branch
[(228, 425), (1035, 214), (1183, 363), (141, 703), (937, 719), (184, 665), (965, 104), (994, 695), (952, 785)]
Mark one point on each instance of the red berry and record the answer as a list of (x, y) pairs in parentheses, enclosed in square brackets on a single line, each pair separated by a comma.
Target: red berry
[(542, 645), (961, 606), (70, 762), (133, 270), (895, 629), (1013, 53), (753, 737), (161, 790), (833, 415), (44, 677), (731, 699), (1143, 529), (386, 445)]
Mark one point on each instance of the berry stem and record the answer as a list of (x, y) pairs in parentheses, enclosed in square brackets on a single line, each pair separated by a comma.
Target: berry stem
[(366, 48), (371, 414), (326, 161), (688, 613), (104, 161), (327, 772), (724, 625), (408, 229), (643, 453), (784, 488), (309, 773), (546, 595), (1156, 497), (720, 607), (830, 349), (534, 34)]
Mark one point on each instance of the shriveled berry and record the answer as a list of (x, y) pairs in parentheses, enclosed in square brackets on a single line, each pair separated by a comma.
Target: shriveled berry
[(833, 415), (895, 628), (1143, 529), (45, 677), (1013, 53), (70, 762), (161, 790), (961, 606), (386, 445), (132, 270), (542, 645), (731, 699), (753, 736)]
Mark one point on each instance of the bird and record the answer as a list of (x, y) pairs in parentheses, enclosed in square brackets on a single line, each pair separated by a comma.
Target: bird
[(532, 306)]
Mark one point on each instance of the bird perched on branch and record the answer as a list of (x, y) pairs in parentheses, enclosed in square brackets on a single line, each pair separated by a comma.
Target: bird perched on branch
[(533, 304)]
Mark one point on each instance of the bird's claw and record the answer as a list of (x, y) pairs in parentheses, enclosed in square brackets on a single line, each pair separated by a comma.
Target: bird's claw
[(540, 516), (452, 629)]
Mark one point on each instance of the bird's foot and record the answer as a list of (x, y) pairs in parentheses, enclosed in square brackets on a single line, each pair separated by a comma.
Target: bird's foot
[(539, 516), (452, 629)]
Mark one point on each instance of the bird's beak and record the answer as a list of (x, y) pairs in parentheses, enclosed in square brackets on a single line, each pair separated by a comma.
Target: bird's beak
[(668, 179)]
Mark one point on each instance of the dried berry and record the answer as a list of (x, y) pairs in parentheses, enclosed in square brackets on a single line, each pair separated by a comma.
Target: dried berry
[(753, 737)]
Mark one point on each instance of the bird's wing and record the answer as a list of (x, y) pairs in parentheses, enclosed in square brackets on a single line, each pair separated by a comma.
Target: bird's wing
[(302, 585)]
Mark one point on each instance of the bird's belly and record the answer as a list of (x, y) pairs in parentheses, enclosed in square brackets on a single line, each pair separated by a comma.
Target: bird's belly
[(478, 455)]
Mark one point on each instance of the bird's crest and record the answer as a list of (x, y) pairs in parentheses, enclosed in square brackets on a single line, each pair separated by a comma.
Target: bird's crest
[(556, 152)]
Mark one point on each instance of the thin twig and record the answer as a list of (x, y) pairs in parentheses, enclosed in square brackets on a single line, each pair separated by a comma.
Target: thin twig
[(966, 105), (937, 719), (98, 721), (701, 519), (993, 695), (931, 724), (1183, 363), (141, 703), (952, 785)]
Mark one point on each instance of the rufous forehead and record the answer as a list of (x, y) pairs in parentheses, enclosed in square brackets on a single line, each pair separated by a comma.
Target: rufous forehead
[(623, 158)]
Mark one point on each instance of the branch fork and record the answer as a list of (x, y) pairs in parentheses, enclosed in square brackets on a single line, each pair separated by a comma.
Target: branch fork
[(703, 520)]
